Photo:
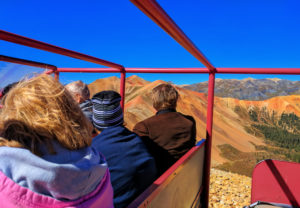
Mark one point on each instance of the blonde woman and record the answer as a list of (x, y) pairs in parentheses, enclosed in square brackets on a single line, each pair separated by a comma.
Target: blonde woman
[(45, 154)]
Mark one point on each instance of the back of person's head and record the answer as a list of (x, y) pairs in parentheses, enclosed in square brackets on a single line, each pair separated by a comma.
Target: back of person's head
[(79, 91), (8, 87), (107, 110), (164, 96), (5, 90), (39, 111)]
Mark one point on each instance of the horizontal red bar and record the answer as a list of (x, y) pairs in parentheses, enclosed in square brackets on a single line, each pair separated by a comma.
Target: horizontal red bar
[(258, 70), (167, 70), (14, 38), (27, 62), (89, 70), (136, 70), (188, 70)]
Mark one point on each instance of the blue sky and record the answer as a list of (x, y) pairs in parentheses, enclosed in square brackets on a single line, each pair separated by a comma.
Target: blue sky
[(248, 33)]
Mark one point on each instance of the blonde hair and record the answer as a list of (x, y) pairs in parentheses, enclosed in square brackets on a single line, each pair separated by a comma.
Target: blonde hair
[(39, 111), (164, 96)]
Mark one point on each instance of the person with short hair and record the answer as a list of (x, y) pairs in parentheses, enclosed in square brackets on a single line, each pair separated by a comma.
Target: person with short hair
[(131, 166), (45, 154), (81, 94), (168, 134)]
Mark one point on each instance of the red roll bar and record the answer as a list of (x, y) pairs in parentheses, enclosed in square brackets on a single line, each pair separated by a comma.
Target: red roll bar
[(14, 38), (53, 69), (122, 88), (188, 70), (208, 142), (138, 70), (154, 11), (27, 62), (258, 70)]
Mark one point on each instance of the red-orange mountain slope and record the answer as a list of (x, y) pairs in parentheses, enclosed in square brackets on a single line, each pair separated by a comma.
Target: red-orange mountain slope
[(228, 125)]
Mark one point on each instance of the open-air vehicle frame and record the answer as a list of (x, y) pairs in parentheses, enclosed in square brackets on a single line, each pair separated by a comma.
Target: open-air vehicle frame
[(186, 183)]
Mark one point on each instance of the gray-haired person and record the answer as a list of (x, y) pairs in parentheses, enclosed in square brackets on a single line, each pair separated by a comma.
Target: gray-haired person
[(81, 94)]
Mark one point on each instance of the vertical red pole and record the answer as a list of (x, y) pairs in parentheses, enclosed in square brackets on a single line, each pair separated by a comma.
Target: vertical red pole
[(56, 75), (208, 142), (122, 88)]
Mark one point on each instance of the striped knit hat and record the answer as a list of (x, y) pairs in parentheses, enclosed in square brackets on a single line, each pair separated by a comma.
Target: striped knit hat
[(107, 110)]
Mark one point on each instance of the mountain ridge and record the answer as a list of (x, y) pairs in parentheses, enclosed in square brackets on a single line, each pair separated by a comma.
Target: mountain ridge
[(233, 118), (249, 88)]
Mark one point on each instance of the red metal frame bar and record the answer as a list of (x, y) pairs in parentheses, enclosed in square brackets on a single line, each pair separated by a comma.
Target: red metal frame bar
[(154, 11), (258, 70), (208, 146), (56, 75), (89, 70), (122, 88), (137, 70), (14, 38), (188, 70), (53, 69), (27, 62)]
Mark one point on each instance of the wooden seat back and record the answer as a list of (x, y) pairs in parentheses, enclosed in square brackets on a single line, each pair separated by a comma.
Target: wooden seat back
[(180, 186)]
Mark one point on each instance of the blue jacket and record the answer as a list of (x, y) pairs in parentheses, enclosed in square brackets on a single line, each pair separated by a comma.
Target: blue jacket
[(132, 168)]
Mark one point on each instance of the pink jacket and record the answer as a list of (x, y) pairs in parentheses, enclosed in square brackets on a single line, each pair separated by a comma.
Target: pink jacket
[(12, 196)]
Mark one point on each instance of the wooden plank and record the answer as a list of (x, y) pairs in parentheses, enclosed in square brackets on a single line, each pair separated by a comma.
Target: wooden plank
[(180, 186)]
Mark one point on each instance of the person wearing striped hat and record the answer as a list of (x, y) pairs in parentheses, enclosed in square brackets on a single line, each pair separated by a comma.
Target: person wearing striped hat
[(107, 111), (131, 166)]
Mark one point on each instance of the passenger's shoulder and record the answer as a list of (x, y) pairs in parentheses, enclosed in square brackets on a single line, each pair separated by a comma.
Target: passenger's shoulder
[(191, 118), (146, 121)]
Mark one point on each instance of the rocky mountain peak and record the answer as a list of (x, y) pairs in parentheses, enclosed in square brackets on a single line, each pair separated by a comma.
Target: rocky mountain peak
[(249, 88)]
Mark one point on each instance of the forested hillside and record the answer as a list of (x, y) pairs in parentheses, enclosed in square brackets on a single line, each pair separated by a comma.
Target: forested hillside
[(278, 130), (281, 133)]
